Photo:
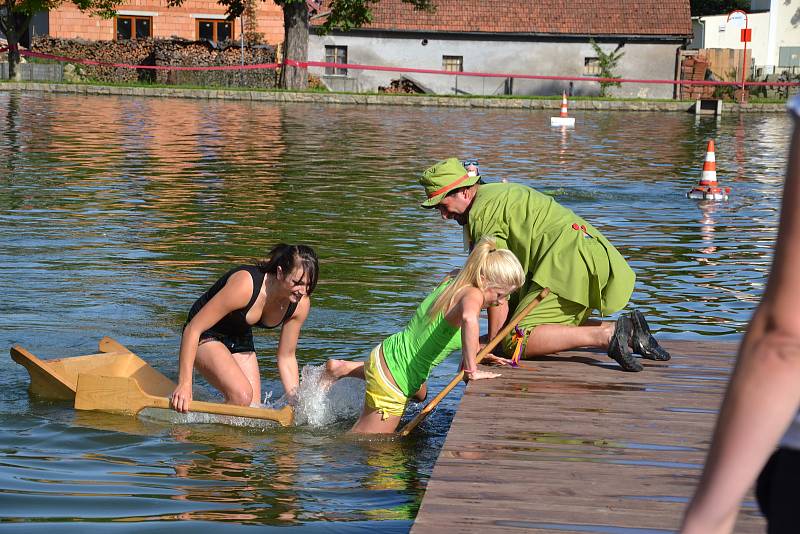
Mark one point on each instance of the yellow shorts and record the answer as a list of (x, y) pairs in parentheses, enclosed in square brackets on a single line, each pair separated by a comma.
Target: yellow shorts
[(382, 396)]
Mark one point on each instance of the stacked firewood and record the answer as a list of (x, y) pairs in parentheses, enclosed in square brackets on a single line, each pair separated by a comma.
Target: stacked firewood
[(120, 52), (165, 52), (176, 52), (402, 86)]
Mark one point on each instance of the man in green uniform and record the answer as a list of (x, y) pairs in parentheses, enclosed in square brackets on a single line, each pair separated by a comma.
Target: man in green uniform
[(557, 249)]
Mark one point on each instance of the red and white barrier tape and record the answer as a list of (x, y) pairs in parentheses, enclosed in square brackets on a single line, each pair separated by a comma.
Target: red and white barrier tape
[(356, 66)]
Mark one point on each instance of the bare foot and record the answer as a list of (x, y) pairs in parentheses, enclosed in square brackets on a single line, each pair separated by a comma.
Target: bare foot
[(330, 374), (336, 369)]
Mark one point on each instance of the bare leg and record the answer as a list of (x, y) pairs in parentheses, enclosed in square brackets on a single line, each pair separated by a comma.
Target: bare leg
[(372, 422), (215, 362), (336, 369), (248, 363), (422, 393), (552, 338)]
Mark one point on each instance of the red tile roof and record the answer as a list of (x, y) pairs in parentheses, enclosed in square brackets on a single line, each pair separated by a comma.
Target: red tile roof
[(577, 17)]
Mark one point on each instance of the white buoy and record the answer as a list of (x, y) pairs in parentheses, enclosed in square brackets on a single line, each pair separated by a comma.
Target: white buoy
[(563, 119)]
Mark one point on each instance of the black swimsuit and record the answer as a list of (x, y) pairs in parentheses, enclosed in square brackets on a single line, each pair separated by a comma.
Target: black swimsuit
[(233, 330)]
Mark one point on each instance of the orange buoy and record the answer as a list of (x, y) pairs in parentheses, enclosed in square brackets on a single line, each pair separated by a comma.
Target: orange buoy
[(708, 188)]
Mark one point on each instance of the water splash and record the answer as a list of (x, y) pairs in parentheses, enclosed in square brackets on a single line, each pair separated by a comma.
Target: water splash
[(319, 405)]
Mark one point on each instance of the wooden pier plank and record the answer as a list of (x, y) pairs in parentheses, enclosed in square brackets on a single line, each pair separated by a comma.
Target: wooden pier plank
[(571, 443)]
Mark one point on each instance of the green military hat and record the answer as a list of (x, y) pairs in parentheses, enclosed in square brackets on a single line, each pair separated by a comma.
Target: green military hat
[(444, 177)]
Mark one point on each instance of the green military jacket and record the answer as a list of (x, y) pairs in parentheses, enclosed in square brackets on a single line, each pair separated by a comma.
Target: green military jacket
[(557, 249)]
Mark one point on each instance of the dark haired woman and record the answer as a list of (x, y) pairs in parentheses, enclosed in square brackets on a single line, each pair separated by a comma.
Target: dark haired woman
[(218, 334)]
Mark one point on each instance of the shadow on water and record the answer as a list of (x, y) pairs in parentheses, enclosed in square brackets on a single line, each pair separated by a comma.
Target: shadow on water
[(116, 213)]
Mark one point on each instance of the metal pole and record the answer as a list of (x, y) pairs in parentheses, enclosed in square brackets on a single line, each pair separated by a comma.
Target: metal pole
[(743, 34), (744, 60)]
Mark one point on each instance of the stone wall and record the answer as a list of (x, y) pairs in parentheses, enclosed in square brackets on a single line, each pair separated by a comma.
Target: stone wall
[(33, 72), (388, 99)]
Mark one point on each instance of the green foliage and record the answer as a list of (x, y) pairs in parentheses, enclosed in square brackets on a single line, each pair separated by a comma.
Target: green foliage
[(725, 92), (717, 7), (15, 15), (100, 8), (608, 63)]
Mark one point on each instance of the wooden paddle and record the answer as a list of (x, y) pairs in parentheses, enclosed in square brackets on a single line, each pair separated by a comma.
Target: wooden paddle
[(124, 395), (484, 351)]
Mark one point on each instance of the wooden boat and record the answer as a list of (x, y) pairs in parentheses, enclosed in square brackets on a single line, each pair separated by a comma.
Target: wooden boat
[(117, 380), (58, 379)]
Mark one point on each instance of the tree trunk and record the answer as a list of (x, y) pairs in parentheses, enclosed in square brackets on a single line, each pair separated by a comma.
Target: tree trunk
[(13, 58), (14, 26), (295, 44)]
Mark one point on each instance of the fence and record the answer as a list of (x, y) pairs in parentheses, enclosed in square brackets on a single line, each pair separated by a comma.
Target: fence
[(174, 73), (33, 72)]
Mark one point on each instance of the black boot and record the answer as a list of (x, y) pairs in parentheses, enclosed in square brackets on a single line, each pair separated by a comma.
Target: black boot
[(619, 348), (643, 341)]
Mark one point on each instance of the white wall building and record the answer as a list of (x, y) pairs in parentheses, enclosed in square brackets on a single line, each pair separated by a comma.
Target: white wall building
[(775, 28), (546, 38)]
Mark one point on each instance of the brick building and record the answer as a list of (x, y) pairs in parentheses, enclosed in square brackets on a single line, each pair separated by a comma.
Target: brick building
[(194, 20)]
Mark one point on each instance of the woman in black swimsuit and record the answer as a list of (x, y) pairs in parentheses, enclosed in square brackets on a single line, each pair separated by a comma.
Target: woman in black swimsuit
[(218, 335)]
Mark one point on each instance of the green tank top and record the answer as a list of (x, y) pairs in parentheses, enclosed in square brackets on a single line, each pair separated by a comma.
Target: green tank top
[(413, 352)]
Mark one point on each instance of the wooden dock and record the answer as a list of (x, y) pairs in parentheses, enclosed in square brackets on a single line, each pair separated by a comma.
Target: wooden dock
[(577, 445)]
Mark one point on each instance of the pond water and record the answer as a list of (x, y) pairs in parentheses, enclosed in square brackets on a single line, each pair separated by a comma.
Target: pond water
[(117, 212)]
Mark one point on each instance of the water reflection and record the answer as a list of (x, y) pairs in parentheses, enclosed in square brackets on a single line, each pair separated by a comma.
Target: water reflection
[(241, 470), (116, 212), (707, 229)]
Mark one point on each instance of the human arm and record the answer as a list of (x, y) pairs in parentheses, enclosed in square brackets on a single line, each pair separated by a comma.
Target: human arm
[(763, 395), (465, 312), (496, 229), (235, 294), (287, 347), (497, 316)]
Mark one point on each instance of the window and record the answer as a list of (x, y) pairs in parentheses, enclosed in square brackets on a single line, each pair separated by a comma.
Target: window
[(214, 30), (453, 63), (591, 66), (789, 56), (129, 27), (335, 54)]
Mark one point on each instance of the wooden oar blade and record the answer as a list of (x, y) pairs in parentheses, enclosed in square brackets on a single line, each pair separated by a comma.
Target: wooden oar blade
[(124, 395), (284, 416), (117, 394)]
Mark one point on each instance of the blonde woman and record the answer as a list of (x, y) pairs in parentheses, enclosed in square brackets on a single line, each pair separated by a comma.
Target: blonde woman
[(445, 321)]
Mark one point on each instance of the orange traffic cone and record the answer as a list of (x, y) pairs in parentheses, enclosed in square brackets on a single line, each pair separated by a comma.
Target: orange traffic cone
[(563, 119), (708, 188)]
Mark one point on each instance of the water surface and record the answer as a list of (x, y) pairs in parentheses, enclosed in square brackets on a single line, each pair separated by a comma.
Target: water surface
[(117, 212)]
